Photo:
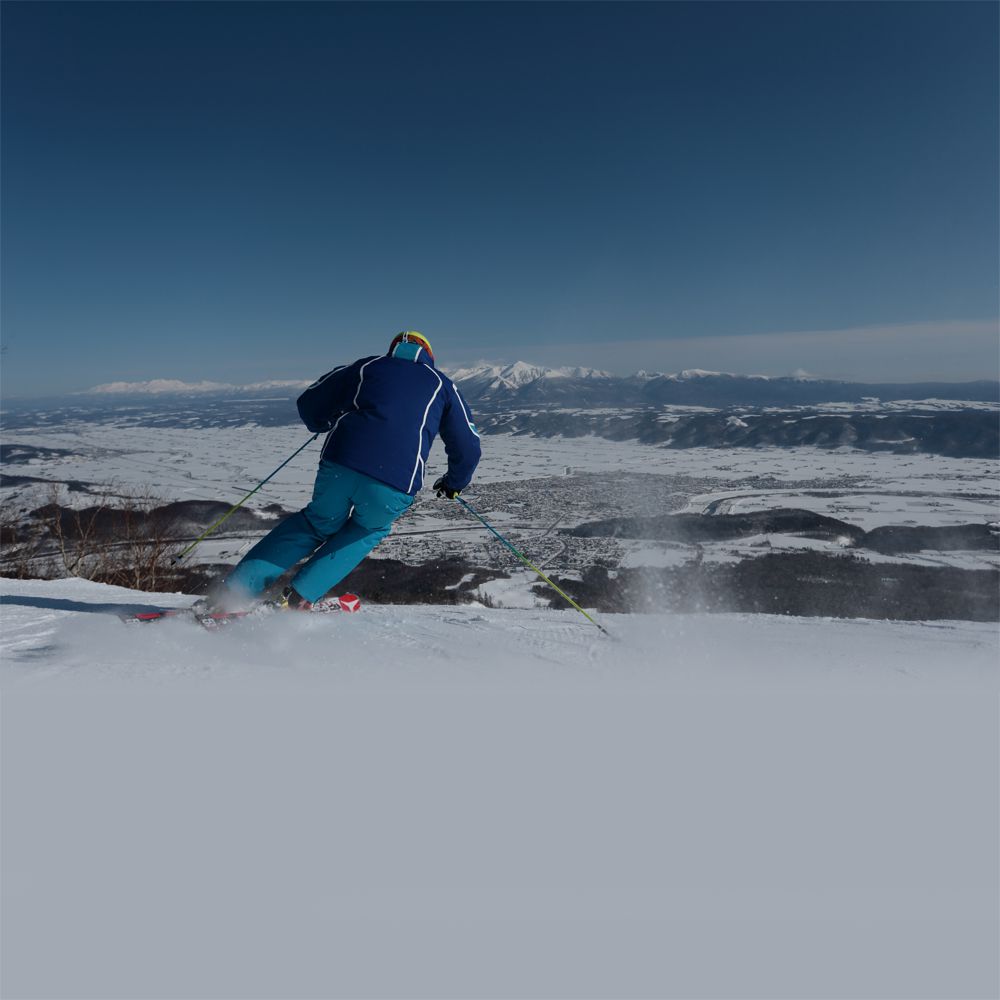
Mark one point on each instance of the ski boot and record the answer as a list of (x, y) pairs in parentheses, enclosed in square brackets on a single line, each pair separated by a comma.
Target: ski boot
[(288, 600)]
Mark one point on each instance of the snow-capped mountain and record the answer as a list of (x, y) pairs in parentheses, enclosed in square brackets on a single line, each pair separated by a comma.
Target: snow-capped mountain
[(691, 374), (704, 388), (157, 387), (487, 381), (176, 387), (586, 387)]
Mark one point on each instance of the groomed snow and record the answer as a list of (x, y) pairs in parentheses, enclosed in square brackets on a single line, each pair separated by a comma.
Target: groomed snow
[(465, 802)]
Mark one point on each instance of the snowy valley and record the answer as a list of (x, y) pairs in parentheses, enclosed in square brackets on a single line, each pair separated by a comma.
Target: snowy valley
[(663, 497)]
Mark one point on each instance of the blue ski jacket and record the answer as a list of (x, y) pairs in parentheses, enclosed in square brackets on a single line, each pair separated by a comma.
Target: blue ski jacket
[(383, 413)]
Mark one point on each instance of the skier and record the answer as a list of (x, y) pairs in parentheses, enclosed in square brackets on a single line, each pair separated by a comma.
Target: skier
[(382, 414)]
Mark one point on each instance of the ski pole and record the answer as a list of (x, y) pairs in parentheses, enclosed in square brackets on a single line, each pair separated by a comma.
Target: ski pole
[(527, 562), (236, 507)]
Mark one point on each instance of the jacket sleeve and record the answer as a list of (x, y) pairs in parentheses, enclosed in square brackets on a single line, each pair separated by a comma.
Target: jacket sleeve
[(461, 440), (328, 397)]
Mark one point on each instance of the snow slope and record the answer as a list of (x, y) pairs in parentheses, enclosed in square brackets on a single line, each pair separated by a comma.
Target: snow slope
[(464, 802)]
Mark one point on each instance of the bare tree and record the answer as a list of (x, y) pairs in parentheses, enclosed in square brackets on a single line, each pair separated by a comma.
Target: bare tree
[(123, 538), (142, 556), (22, 542)]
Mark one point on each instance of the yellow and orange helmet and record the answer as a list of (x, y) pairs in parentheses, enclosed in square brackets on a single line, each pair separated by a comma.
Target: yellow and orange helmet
[(411, 337)]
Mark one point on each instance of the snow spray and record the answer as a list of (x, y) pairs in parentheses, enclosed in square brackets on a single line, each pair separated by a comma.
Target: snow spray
[(527, 562)]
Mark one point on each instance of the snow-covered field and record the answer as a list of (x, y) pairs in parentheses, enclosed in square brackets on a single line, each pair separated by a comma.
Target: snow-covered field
[(224, 463), (464, 802)]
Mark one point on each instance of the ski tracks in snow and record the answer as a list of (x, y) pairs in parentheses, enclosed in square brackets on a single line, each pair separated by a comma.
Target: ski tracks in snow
[(71, 627)]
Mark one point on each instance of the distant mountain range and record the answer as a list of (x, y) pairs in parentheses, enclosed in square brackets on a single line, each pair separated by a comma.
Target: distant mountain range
[(175, 387), (587, 388), (492, 385), (687, 409)]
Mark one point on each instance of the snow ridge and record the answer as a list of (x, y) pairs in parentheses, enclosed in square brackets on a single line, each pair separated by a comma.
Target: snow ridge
[(519, 374)]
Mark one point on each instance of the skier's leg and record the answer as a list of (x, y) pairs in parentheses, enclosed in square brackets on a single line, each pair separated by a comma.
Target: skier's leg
[(297, 536), (376, 506), (286, 544)]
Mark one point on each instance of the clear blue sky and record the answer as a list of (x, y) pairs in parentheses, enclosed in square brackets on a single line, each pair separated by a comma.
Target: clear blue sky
[(242, 191)]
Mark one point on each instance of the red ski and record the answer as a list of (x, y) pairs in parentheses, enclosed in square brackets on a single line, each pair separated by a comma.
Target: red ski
[(219, 619)]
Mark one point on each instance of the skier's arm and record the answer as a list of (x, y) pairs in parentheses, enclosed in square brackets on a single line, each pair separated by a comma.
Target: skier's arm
[(461, 441), (328, 396)]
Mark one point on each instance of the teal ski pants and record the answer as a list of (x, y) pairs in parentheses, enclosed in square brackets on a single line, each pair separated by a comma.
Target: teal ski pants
[(349, 514)]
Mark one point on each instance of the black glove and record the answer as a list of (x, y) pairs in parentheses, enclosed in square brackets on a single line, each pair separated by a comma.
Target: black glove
[(442, 489)]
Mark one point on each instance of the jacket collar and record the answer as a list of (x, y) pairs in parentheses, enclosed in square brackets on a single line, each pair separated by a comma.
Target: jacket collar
[(409, 351)]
